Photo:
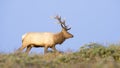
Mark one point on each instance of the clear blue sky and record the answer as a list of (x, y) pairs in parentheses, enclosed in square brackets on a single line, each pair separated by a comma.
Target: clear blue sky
[(91, 21)]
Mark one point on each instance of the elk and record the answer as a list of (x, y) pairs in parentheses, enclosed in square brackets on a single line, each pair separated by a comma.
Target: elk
[(45, 39)]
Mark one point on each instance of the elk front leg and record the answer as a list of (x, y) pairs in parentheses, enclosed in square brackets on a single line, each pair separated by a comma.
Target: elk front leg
[(54, 49), (45, 50)]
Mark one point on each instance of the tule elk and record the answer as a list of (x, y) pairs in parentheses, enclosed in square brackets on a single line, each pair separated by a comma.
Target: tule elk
[(45, 39)]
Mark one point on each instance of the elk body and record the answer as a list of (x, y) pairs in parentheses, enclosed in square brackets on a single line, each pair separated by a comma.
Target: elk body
[(45, 39)]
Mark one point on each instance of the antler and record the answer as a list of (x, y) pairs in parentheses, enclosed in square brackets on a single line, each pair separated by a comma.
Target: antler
[(63, 25)]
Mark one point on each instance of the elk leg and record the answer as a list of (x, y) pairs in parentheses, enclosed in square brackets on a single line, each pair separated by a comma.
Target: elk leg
[(21, 48), (28, 49), (54, 49), (45, 50)]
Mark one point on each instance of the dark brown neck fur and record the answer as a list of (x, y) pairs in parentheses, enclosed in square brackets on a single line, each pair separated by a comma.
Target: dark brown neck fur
[(59, 38)]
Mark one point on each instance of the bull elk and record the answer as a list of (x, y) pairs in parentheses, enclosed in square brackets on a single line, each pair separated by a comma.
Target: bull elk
[(45, 39)]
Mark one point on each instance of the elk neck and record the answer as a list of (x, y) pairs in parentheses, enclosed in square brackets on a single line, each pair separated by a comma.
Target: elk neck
[(59, 38)]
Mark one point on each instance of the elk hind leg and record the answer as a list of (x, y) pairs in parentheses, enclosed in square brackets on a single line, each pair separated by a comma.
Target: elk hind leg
[(28, 49), (21, 48)]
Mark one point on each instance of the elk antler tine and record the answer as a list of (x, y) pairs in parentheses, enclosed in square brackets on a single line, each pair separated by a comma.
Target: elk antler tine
[(62, 22), (58, 17), (69, 28)]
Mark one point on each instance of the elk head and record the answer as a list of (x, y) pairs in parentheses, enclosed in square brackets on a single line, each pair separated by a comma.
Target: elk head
[(64, 27)]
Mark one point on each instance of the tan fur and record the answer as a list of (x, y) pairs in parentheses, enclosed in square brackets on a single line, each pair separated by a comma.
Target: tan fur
[(45, 39)]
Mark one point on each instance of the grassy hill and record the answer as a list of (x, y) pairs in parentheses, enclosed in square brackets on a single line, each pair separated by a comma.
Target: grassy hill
[(91, 55)]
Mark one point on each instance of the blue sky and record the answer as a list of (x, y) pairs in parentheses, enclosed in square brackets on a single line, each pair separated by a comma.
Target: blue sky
[(91, 21)]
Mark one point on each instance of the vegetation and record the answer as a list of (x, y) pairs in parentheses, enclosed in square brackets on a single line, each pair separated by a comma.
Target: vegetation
[(91, 55)]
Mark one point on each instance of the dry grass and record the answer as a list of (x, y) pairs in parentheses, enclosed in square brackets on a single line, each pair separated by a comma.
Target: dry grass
[(90, 56)]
